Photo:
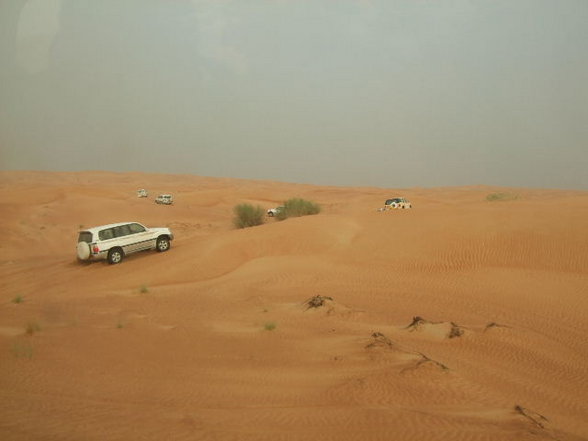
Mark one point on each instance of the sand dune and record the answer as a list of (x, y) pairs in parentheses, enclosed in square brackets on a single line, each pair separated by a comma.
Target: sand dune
[(461, 319)]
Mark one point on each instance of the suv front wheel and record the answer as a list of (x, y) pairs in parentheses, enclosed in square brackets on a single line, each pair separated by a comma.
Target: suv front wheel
[(115, 256), (162, 244)]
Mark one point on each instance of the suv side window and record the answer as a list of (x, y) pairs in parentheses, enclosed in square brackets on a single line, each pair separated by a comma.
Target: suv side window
[(105, 234), (137, 228), (123, 230)]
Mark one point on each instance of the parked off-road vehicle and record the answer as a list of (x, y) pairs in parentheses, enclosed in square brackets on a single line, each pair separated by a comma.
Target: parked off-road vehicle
[(142, 193), (165, 199), (275, 211), (397, 203), (114, 241)]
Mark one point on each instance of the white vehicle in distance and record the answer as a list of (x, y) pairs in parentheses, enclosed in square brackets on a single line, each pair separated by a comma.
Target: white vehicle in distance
[(394, 203), (275, 211), (165, 199), (114, 241), (142, 193)]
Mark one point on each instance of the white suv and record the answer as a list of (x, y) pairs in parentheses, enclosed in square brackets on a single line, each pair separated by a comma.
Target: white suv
[(275, 211), (112, 242), (397, 203), (165, 199)]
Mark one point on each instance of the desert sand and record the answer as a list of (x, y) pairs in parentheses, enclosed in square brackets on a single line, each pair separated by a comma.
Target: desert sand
[(461, 319)]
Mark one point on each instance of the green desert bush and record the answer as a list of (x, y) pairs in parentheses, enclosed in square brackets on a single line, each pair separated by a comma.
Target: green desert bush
[(492, 197), (22, 349), (247, 215), (269, 326), (298, 207)]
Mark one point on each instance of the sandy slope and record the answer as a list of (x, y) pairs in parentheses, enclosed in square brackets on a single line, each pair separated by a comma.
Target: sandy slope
[(499, 352)]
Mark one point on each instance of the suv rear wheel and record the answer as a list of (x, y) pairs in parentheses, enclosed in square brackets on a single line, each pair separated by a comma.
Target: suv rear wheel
[(115, 256)]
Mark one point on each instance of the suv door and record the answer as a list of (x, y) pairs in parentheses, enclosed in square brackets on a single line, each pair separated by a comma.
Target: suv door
[(124, 238), (142, 237), (106, 240)]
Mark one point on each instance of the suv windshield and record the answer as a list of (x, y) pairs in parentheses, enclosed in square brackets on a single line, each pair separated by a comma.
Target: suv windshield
[(85, 236)]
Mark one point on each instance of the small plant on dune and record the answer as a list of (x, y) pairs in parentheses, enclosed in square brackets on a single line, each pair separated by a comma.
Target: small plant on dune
[(317, 301), (247, 215), (18, 299), (297, 207), (22, 349), (269, 326), (492, 197), (143, 289), (32, 328)]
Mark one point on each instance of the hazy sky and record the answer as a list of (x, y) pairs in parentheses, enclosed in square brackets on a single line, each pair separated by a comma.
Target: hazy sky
[(390, 93)]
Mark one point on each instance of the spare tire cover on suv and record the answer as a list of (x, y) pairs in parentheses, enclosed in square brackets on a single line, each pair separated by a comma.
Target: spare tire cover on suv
[(83, 251)]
